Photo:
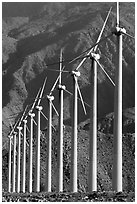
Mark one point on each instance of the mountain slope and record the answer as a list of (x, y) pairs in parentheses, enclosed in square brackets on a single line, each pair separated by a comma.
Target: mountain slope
[(32, 39), (39, 41)]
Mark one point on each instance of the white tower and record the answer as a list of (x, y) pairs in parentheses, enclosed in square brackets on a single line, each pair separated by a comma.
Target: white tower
[(24, 158), (73, 179), (18, 159), (49, 145), (37, 185), (9, 165), (32, 115), (93, 127), (14, 163)]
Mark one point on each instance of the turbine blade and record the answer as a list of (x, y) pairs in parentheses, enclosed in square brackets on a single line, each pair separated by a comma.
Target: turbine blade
[(27, 128), (14, 127), (77, 58), (60, 68), (105, 73), (53, 127), (33, 105), (91, 49), (23, 115), (98, 41), (26, 116), (78, 97), (54, 85), (44, 115), (27, 143), (42, 91), (11, 141), (34, 122), (81, 98), (68, 92), (103, 27), (11, 124), (129, 35), (55, 70), (117, 13), (47, 119), (55, 109)]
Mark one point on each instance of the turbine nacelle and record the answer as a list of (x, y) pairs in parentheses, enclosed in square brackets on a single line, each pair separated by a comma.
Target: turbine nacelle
[(62, 87), (25, 121), (50, 98), (31, 114), (19, 128), (95, 56), (76, 73), (118, 30), (39, 108)]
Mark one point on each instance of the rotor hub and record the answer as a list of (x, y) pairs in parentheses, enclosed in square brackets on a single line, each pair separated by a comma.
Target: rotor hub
[(95, 56), (50, 98), (39, 108), (31, 114), (19, 128), (62, 87), (118, 30), (25, 121), (76, 73)]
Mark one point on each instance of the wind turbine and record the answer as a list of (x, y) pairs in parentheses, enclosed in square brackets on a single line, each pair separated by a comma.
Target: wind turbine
[(32, 115), (9, 165), (92, 178), (9, 160), (23, 178), (14, 158), (50, 98), (19, 151), (76, 89), (39, 109), (60, 136), (74, 131), (117, 146), (14, 164), (49, 143)]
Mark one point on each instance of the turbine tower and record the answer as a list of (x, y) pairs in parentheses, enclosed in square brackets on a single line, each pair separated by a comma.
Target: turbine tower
[(117, 147), (19, 152), (92, 177), (39, 109), (9, 160), (32, 115), (14, 157), (49, 144), (18, 159), (23, 178), (9, 165), (60, 136), (14, 163), (73, 172)]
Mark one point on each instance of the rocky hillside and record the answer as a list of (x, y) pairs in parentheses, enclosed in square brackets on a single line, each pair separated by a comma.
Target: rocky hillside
[(69, 197), (104, 151), (32, 38)]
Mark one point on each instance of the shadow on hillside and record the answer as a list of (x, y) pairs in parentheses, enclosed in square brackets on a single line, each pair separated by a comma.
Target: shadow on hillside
[(34, 44)]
